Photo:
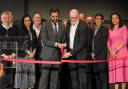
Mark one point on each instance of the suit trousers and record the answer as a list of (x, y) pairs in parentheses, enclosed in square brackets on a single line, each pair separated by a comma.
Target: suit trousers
[(85, 77), (49, 77), (101, 80)]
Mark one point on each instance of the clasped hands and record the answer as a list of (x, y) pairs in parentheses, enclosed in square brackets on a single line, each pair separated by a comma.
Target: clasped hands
[(30, 54), (113, 54)]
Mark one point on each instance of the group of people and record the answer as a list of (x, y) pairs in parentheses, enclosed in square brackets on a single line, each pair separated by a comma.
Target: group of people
[(28, 41), (81, 38)]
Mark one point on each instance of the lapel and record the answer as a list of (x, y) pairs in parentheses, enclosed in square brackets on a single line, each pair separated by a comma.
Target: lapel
[(50, 27), (69, 28), (78, 27), (100, 29), (59, 29), (77, 32)]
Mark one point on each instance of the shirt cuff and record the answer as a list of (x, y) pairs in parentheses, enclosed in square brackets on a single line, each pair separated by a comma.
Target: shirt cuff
[(56, 44)]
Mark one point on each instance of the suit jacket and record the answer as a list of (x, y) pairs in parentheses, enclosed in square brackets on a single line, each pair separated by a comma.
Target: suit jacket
[(100, 48), (48, 37), (38, 48), (80, 46)]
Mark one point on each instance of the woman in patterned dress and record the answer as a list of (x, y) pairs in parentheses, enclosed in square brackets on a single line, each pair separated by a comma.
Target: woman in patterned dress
[(25, 73)]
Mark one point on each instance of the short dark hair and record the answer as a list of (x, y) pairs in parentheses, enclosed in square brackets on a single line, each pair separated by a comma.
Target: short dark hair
[(99, 14), (54, 11)]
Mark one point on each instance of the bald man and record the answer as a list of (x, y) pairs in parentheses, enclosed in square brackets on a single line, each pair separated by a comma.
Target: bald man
[(77, 49)]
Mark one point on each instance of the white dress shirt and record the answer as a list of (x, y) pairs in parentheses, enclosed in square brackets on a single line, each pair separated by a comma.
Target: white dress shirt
[(56, 26), (6, 27), (72, 33), (37, 30)]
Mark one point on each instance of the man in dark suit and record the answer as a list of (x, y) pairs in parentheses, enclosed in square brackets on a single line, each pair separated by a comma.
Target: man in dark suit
[(52, 33), (99, 52), (77, 49)]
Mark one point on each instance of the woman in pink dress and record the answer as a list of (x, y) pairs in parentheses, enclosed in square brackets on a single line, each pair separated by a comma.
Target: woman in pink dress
[(117, 41)]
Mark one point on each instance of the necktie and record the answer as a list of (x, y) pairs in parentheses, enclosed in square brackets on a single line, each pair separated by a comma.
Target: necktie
[(55, 28), (56, 32)]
